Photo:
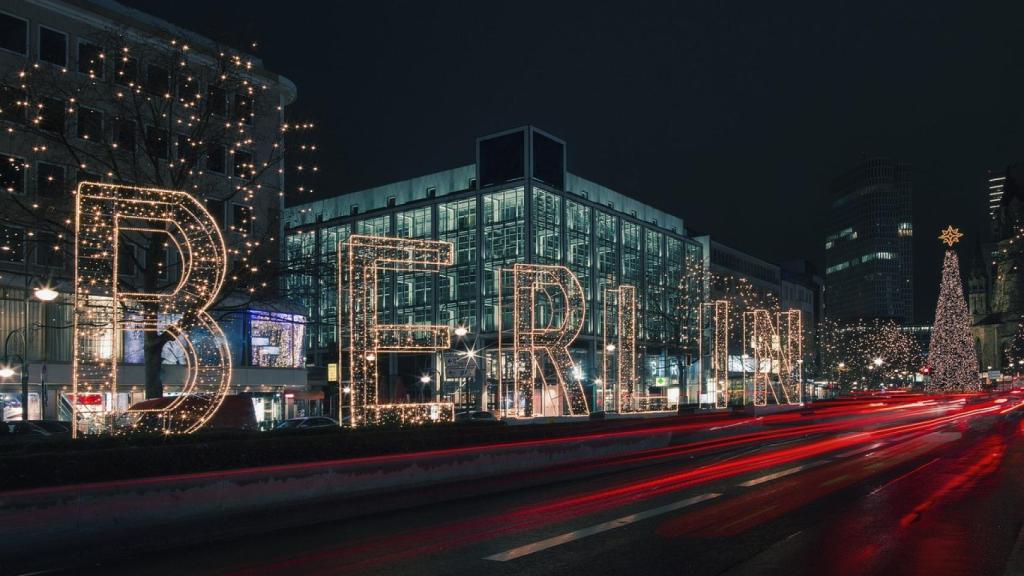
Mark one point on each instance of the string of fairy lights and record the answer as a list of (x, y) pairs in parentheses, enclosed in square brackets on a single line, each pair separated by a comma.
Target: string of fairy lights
[(537, 290), (951, 355), (860, 354), (776, 345), (163, 115), (364, 257), (714, 337), (104, 213), (770, 340), (618, 365), (158, 114)]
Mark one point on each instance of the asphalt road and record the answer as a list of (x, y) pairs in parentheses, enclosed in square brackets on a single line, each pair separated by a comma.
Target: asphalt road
[(863, 488)]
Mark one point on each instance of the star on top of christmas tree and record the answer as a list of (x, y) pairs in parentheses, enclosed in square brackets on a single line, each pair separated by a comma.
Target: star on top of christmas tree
[(950, 236)]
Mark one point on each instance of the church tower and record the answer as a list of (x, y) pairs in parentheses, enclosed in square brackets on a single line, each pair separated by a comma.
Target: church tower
[(978, 286)]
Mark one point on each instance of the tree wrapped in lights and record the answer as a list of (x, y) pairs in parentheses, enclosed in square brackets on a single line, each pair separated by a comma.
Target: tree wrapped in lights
[(739, 294), (951, 356), (865, 354), (1013, 351), (155, 114)]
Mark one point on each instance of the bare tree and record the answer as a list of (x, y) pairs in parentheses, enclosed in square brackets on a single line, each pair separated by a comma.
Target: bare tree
[(157, 112)]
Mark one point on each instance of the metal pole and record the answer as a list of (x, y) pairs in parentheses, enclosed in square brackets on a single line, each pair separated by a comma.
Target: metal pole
[(24, 356), (42, 370)]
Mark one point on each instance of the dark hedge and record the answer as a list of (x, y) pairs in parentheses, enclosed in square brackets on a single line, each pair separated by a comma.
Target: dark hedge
[(56, 462)]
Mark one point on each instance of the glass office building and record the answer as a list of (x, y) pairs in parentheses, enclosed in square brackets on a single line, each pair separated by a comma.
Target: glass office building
[(516, 204), (869, 243)]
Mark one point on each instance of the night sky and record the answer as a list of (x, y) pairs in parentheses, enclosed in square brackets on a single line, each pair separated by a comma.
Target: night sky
[(735, 116)]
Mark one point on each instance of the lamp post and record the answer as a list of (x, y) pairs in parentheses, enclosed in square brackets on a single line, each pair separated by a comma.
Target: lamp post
[(424, 380), (609, 350), (345, 391), (43, 294), (461, 331), (839, 381)]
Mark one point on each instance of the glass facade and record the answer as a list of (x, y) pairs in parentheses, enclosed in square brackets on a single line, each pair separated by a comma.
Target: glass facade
[(516, 204), (869, 243), (491, 230), (312, 281)]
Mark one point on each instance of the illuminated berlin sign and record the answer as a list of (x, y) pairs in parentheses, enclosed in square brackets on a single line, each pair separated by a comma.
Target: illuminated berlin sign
[(364, 257), (773, 345), (105, 216), (548, 313)]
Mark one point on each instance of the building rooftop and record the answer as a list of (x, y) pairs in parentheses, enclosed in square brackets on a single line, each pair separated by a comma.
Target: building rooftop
[(105, 13)]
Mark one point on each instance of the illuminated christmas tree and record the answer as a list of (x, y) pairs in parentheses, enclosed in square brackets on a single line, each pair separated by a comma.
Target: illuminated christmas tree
[(951, 355)]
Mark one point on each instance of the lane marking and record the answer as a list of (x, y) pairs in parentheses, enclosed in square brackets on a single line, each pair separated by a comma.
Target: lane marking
[(541, 545), (833, 480), (729, 425), (780, 474), (860, 450), (901, 477)]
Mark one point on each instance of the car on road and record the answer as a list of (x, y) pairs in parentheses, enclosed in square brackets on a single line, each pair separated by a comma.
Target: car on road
[(476, 417), (38, 429), (306, 423), (235, 413)]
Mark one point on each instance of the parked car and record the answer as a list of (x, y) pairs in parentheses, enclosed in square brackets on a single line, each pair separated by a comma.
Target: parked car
[(307, 423), (36, 428), (477, 417), (235, 412)]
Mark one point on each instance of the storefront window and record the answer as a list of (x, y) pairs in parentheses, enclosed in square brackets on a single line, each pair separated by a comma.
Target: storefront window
[(277, 339)]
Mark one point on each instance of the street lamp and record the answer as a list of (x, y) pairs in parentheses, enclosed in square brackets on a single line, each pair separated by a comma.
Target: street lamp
[(46, 294), (610, 347), (877, 363), (839, 380), (43, 294), (461, 331)]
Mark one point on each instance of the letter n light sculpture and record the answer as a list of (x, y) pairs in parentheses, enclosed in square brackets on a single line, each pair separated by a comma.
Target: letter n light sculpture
[(776, 348)]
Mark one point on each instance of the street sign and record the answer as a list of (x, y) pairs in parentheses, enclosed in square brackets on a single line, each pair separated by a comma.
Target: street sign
[(459, 365)]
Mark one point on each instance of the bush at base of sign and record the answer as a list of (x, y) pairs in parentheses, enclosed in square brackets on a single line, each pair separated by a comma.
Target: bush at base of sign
[(103, 458)]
